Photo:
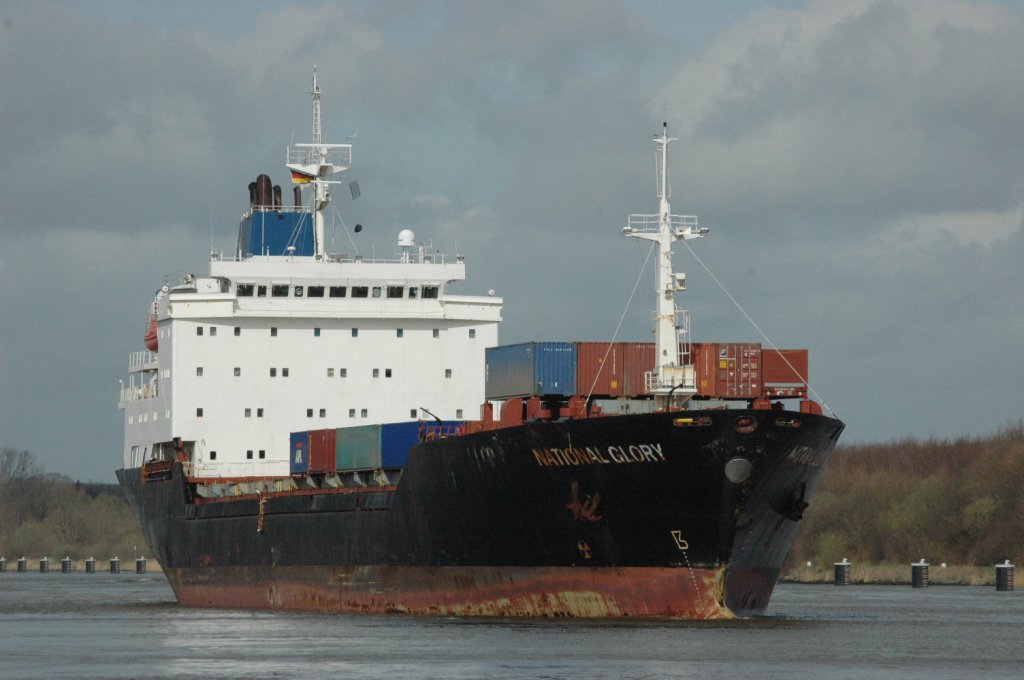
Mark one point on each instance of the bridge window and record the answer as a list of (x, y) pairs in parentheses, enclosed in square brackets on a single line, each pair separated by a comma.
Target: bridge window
[(261, 291), (413, 292), (315, 291), (360, 291), (245, 290), (279, 290), (429, 292), (396, 291), (338, 291)]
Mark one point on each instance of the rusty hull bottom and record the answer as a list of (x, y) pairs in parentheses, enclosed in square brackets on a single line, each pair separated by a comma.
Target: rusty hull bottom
[(588, 592)]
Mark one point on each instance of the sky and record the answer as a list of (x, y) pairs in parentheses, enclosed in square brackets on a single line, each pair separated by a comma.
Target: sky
[(859, 164)]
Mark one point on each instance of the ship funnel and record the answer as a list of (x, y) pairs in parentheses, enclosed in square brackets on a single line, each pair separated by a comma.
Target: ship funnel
[(277, 196), (264, 192), (252, 194), (298, 197)]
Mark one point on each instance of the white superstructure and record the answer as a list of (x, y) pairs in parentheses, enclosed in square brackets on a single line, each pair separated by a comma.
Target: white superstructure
[(285, 339)]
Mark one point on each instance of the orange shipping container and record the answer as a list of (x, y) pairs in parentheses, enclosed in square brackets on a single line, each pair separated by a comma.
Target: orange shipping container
[(599, 368), (786, 366)]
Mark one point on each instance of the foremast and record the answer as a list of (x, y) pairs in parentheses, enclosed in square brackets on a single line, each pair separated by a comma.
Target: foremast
[(311, 163), (672, 378)]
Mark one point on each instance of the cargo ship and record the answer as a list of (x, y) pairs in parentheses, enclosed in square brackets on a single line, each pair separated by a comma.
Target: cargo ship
[(309, 430)]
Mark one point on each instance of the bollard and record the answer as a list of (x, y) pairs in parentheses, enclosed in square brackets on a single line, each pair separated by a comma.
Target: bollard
[(22, 565), (3, 564), (140, 565), (842, 572), (1004, 576), (44, 565), (90, 565), (115, 566), (65, 565), (919, 574)]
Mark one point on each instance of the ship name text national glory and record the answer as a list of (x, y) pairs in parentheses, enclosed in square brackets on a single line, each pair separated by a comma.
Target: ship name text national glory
[(597, 455)]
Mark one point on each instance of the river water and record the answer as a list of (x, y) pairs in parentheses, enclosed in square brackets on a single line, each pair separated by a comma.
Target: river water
[(128, 626)]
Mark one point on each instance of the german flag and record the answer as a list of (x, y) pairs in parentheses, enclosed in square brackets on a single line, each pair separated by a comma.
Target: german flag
[(300, 177)]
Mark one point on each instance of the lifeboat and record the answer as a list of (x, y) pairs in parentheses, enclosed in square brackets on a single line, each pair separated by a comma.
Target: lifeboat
[(151, 329)]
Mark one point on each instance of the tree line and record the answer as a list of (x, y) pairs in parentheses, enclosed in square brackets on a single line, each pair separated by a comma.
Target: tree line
[(957, 501), (44, 514)]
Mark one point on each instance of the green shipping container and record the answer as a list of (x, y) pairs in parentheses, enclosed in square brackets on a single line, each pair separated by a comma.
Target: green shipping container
[(357, 448)]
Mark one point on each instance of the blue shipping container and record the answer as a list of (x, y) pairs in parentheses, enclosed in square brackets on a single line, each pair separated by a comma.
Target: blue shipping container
[(299, 447), (531, 369), (395, 441)]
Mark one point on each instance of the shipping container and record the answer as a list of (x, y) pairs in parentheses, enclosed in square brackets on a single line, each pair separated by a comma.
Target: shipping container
[(600, 368), (784, 366), (299, 458), (638, 360), (728, 370), (395, 441), (357, 448), (322, 447), (531, 369)]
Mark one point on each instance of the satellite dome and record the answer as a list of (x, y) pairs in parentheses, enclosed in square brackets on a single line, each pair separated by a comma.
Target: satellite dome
[(406, 238)]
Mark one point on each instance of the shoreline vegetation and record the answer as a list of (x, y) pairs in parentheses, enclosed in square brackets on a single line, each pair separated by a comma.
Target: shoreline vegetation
[(882, 506)]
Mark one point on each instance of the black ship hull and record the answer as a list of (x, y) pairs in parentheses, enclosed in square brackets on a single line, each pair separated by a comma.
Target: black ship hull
[(681, 514)]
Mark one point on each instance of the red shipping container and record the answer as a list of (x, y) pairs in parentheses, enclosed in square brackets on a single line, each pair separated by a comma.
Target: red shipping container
[(739, 370), (705, 362), (778, 371), (322, 451), (638, 360), (599, 368)]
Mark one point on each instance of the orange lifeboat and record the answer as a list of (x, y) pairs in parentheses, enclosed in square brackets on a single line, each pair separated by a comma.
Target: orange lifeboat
[(151, 330)]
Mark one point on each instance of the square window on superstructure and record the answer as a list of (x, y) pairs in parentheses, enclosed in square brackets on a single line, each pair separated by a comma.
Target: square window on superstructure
[(213, 455), (355, 332), (259, 413), (199, 371), (447, 372), (472, 332), (413, 292), (199, 330), (351, 413), (244, 290), (248, 413), (238, 331), (263, 454), (458, 413), (429, 292), (248, 454), (342, 372), (273, 331), (279, 290), (396, 291), (323, 413), (273, 372), (298, 291), (338, 291), (199, 412), (213, 330), (315, 291), (412, 413), (363, 413), (309, 413), (284, 372), (360, 291), (437, 332), (387, 372), (316, 332), (330, 372), (238, 371), (400, 332), (376, 291), (261, 291), (376, 373)]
